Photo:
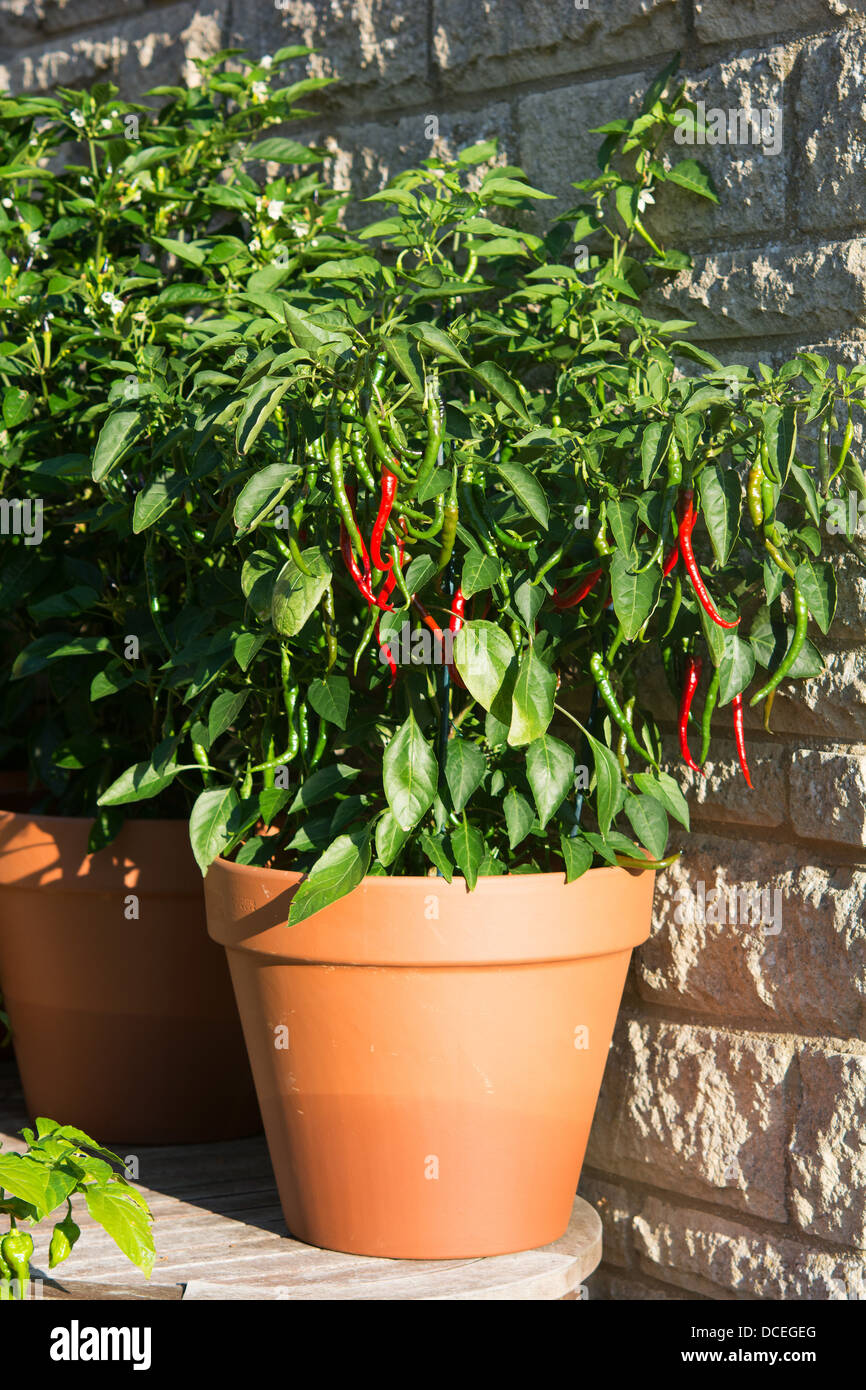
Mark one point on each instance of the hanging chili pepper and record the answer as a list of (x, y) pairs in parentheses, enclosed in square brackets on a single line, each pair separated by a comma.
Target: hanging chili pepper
[(449, 525), (602, 680), (395, 559), (671, 559), (801, 622), (389, 656), (344, 497), (740, 737), (16, 1249), (687, 516), (707, 716), (361, 581), (753, 495), (389, 491), (690, 685), (579, 594), (458, 614)]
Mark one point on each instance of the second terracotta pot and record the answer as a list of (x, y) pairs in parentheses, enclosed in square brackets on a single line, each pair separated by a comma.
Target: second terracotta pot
[(121, 1006), (428, 1060)]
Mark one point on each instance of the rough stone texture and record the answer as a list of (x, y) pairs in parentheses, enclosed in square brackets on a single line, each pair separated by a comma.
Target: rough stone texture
[(148, 50), (828, 796), (556, 148), (772, 290), (828, 1150), (810, 975), (694, 1248), (721, 21), (698, 1110), (378, 49), (737, 1076), (750, 167), (494, 42)]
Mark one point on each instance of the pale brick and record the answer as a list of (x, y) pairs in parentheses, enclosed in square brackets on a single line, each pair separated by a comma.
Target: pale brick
[(696, 1109), (828, 1148), (764, 290), (828, 795), (612, 1286), (832, 705), (494, 42), (830, 164), (811, 976), (750, 177), (148, 50), (556, 146), (377, 49), (721, 21), (25, 22), (682, 1245)]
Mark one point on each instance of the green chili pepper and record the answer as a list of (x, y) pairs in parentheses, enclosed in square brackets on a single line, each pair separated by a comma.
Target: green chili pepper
[(676, 601), (433, 528), (435, 430), (449, 524), (707, 716), (303, 727), (359, 458), (329, 623), (247, 783), (335, 466), (753, 495), (824, 457), (801, 622), (200, 754), (847, 437), (16, 1249), (605, 689), (321, 744), (5, 1281)]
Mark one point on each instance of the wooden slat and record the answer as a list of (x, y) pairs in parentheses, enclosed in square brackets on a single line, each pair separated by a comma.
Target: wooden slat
[(220, 1235)]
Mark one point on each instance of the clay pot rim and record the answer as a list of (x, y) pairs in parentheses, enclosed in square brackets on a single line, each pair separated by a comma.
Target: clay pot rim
[(294, 876)]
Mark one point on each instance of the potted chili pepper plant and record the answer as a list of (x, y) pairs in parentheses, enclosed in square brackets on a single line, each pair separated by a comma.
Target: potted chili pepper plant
[(473, 487), (103, 262)]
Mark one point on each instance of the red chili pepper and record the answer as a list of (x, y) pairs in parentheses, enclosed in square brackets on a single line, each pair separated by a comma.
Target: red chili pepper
[(389, 657), (458, 613), (740, 737), (671, 559), (687, 516), (361, 580), (577, 595), (391, 578), (389, 490), (693, 675)]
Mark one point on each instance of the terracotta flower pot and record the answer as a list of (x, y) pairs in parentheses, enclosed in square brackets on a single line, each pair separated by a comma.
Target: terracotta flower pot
[(428, 1060), (123, 1024)]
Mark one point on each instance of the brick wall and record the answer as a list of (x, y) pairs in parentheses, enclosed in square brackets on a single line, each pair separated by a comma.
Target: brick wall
[(728, 1156)]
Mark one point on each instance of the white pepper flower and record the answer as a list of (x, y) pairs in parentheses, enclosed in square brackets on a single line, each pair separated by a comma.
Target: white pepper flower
[(275, 209), (105, 123), (266, 61), (77, 119), (260, 91), (644, 199)]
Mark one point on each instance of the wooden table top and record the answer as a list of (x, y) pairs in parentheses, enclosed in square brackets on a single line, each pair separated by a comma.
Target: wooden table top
[(220, 1234)]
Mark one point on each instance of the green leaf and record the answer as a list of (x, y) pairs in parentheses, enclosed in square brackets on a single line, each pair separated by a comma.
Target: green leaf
[(279, 150), (324, 784), (608, 783), (257, 410), (410, 774), (622, 513), (500, 185), (390, 838), (519, 817), (17, 404), (649, 821), (577, 855), (139, 783), (465, 768), (184, 252), (297, 595), (467, 846), (26, 1179), (634, 595), (780, 432), (507, 391), (116, 438), (689, 174), (721, 502), (224, 711), (666, 791), (550, 771), (532, 700), (403, 352), (208, 824), (439, 342), (316, 340), (156, 497), (817, 584), (433, 846), (652, 448), (329, 697), (258, 497), (335, 873), (736, 668), (54, 646), (123, 1218), (480, 572), (486, 660), (528, 492)]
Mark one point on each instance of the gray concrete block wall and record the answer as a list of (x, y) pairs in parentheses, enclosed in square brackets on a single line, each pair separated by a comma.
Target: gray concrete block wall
[(727, 1158)]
